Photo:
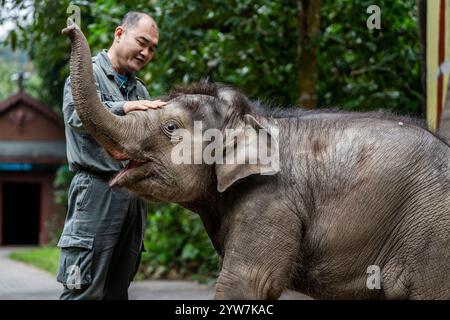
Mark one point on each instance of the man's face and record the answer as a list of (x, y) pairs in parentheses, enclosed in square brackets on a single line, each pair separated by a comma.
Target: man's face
[(136, 44)]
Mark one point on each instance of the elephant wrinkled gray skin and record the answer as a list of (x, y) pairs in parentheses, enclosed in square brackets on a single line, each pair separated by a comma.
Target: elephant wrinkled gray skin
[(354, 190)]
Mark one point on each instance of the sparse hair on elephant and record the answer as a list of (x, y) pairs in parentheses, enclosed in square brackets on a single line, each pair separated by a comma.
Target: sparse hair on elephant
[(353, 191)]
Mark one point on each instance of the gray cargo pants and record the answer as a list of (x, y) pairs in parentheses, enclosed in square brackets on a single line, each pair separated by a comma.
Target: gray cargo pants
[(102, 241)]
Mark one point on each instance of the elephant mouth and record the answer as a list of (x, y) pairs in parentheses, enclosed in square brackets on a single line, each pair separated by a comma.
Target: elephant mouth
[(126, 172)]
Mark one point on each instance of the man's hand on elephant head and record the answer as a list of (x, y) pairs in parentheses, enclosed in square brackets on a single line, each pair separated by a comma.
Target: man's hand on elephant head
[(142, 105)]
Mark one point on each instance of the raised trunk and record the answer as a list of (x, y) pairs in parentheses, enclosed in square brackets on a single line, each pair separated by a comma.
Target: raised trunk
[(104, 126)]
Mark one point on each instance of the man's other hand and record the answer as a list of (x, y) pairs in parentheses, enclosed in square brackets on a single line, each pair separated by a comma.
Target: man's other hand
[(142, 105)]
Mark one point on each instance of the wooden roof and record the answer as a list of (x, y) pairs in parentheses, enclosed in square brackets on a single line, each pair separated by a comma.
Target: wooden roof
[(22, 98), (30, 131)]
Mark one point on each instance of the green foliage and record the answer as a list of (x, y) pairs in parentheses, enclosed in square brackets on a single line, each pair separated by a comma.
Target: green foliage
[(7, 87), (61, 184), (244, 43), (247, 44), (45, 45), (177, 245), (12, 63), (251, 44), (362, 69)]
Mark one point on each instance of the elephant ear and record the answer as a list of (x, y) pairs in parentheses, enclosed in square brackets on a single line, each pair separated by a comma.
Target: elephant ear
[(252, 148)]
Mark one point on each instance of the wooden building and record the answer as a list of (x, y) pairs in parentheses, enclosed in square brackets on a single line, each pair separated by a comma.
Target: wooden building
[(32, 146)]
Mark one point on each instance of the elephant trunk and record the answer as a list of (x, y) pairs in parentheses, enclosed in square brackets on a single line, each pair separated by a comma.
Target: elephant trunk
[(103, 125)]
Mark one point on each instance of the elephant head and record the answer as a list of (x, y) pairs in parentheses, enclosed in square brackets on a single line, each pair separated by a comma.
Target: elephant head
[(147, 138)]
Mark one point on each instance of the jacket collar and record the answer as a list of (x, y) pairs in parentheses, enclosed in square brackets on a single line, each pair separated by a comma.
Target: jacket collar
[(105, 64)]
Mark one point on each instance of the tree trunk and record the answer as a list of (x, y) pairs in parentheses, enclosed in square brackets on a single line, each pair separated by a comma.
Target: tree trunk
[(308, 33), (422, 29)]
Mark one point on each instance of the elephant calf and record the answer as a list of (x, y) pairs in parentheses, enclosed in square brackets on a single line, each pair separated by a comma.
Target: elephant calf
[(352, 192)]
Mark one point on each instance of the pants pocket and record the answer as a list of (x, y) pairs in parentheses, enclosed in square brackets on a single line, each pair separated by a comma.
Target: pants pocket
[(74, 269), (83, 191)]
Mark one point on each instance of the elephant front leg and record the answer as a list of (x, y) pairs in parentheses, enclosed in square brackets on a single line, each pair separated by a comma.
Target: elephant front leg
[(258, 264), (246, 284)]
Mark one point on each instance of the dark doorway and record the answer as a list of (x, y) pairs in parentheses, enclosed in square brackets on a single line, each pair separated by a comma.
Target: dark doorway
[(21, 207)]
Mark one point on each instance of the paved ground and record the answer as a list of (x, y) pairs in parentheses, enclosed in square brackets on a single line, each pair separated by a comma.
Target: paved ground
[(19, 281)]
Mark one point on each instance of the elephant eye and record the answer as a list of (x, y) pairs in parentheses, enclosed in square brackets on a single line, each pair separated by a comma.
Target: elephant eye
[(169, 127)]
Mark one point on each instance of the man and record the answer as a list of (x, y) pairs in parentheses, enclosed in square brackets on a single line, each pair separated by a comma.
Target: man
[(102, 240)]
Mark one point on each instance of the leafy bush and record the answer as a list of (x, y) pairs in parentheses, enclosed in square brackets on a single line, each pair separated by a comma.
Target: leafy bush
[(177, 245), (361, 69)]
